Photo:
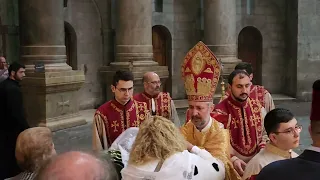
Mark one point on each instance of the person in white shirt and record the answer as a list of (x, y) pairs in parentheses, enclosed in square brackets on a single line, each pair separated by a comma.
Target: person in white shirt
[(160, 152)]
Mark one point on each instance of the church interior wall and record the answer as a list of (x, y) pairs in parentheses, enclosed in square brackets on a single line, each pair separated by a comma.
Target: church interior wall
[(84, 17), (269, 18), (308, 56)]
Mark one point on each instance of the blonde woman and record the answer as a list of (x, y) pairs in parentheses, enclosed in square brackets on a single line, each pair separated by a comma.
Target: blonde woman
[(160, 152)]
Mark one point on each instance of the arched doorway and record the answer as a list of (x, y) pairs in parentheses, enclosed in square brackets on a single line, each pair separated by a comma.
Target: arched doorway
[(71, 45), (162, 51), (250, 50)]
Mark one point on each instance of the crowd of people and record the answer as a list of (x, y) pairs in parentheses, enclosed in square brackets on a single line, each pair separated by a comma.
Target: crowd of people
[(140, 136)]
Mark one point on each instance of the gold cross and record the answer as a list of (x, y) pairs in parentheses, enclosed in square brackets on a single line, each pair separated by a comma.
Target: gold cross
[(115, 125), (234, 121), (140, 107)]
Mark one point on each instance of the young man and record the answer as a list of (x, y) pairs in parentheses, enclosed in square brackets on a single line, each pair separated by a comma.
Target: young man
[(12, 118), (159, 103), (201, 72), (307, 164), (284, 133), (115, 116), (243, 117)]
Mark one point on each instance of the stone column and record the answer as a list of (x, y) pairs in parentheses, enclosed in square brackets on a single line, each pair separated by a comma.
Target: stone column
[(50, 87), (220, 31), (134, 50)]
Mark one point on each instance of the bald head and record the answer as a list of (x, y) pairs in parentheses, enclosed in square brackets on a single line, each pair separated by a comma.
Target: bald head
[(77, 166), (151, 83), (3, 63)]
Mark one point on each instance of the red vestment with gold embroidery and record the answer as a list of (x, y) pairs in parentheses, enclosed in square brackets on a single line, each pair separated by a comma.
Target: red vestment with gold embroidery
[(162, 103), (117, 117), (245, 124)]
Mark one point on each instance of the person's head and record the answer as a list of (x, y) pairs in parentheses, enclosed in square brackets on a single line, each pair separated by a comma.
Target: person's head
[(16, 71), (314, 128), (282, 128), (151, 83), (122, 86), (76, 165), (246, 67), (239, 84), (34, 147), (3, 63), (199, 111), (157, 139)]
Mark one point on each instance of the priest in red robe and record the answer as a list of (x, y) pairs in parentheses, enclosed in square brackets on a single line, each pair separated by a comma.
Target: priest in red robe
[(159, 103), (115, 116), (243, 117)]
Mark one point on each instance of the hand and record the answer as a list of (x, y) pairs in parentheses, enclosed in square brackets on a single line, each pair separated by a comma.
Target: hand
[(189, 146), (239, 165)]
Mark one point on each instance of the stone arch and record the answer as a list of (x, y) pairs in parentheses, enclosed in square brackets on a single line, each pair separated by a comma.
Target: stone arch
[(162, 50), (250, 50), (71, 45)]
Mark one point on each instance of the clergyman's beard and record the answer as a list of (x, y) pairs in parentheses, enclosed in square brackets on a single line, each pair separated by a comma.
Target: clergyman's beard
[(239, 99)]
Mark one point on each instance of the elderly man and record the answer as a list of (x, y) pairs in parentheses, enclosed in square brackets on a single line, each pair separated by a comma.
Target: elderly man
[(159, 103), (201, 72), (13, 121), (118, 114), (4, 74), (77, 166), (34, 148), (284, 134), (243, 117), (307, 165)]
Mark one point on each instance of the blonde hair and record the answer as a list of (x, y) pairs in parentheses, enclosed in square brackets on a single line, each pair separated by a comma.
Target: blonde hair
[(34, 147), (158, 138)]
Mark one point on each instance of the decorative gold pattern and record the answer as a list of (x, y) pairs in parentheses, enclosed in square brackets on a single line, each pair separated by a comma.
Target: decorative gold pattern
[(115, 125), (197, 63), (277, 151)]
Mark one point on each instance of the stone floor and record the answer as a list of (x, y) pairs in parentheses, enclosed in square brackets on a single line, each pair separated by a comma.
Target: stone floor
[(79, 138)]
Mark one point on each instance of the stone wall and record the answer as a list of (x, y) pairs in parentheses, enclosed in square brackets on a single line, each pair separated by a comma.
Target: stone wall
[(85, 17), (186, 33), (269, 18), (308, 57)]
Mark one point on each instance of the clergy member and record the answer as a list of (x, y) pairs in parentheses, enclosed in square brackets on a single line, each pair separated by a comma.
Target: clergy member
[(306, 165), (118, 114), (201, 72), (159, 103), (243, 117), (284, 133), (257, 92)]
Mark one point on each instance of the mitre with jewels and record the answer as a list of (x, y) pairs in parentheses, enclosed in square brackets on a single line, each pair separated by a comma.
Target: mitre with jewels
[(200, 72)]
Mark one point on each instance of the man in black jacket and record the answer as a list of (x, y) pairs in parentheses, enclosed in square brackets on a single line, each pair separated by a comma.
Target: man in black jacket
[(12, 119)]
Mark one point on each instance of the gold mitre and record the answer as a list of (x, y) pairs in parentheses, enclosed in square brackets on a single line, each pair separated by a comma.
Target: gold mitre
[(200, 72)]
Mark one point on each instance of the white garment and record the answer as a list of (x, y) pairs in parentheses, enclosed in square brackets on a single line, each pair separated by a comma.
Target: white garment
[(313, 148), (180, 166), (153, 105)]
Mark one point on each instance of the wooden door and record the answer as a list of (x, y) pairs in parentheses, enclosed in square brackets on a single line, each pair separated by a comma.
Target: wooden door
[(159, 46)]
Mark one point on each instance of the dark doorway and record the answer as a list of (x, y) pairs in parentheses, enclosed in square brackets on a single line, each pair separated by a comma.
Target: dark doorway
[(71, 45), (250, 50), (161, 42), (3, 31)]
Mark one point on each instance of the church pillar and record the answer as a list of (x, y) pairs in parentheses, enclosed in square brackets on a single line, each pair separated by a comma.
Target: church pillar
[(50, 86), (133, 44), (220, 32)]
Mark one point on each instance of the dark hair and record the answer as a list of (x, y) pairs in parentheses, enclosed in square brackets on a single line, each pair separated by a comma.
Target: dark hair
[(122, 75), (15, 66), (235, 73), (275, 117), (244, 66)]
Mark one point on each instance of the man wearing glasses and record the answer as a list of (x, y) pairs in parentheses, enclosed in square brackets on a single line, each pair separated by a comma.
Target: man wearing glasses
[(159, 103), (307, 164), (4, 74), (284, 134), (115, 116)]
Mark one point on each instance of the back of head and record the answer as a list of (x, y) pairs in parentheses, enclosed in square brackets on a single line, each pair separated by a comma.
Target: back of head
[(122, 75), (244, 66), (158, 138), (315, 110), (77, 166), (15, 66), (234, 73), (275, 117), (34, 147)]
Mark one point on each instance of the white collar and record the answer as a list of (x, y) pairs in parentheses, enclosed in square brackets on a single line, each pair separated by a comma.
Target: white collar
[(313, 148), (207, 126)]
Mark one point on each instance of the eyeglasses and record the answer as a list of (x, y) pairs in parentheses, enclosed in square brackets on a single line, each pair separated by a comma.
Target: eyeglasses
[(155, 82), (296, 129), (124, 90)]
